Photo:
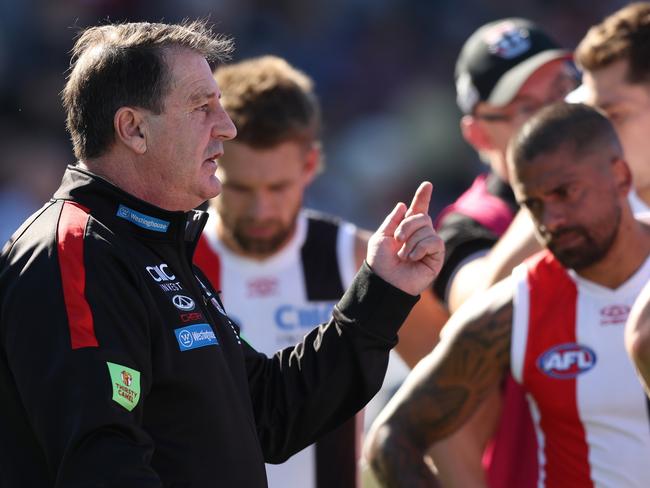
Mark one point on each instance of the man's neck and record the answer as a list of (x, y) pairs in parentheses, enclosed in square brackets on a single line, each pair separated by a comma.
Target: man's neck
[(499, 167), (623, 259), (123, 173)]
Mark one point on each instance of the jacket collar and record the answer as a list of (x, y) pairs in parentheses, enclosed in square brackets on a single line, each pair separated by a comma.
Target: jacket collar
[(118, 209)]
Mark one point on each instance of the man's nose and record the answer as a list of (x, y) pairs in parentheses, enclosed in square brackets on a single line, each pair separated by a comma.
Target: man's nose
[(224, 129), (553, 217), (261, 206)]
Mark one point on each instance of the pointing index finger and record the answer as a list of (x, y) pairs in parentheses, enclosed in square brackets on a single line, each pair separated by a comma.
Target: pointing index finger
[(420, 203)]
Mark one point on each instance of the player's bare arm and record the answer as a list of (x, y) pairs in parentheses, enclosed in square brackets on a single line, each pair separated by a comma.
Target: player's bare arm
[(458, 457), (637, 336), (512, 248), (444, 390)]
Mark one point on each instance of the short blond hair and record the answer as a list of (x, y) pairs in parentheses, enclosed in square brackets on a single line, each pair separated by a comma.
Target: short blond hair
[(270, 102), (624, 35)]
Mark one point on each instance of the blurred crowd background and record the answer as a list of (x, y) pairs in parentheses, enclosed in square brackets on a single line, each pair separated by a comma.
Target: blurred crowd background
[(383, 70)]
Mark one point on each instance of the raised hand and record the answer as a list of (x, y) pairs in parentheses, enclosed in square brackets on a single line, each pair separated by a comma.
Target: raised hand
[(405, 250)]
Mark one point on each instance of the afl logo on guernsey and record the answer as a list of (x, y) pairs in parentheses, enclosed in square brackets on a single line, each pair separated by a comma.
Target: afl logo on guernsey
[(567, 361)]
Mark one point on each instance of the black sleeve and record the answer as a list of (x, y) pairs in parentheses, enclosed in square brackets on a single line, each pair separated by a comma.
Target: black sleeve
[(87, 426), (305, 391), (463, 237)]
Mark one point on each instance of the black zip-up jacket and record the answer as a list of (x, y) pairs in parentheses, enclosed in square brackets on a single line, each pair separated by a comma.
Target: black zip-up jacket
[(119, 368)]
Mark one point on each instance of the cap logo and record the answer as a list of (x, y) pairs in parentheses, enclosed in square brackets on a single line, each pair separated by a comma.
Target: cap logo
[(507, 40)]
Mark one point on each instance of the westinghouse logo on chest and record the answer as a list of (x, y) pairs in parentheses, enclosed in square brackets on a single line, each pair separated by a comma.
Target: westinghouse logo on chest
[(195, 336)]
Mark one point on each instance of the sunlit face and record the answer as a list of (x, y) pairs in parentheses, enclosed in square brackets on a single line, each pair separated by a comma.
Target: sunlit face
[(628, 107), (262, 194), (550, 83), (575, 203), (186, 139)]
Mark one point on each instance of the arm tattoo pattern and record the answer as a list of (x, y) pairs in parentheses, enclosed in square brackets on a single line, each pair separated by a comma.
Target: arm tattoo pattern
[(443, 391)]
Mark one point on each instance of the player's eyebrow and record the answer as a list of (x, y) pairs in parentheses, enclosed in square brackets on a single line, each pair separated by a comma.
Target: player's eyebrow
[(200, 96)]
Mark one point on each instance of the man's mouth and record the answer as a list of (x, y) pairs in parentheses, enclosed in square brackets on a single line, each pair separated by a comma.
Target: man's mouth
[(567, 239), (214, 158)]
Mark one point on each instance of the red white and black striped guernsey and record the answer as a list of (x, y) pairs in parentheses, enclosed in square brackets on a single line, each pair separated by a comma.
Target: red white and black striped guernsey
[(278, 300), (589, 409)]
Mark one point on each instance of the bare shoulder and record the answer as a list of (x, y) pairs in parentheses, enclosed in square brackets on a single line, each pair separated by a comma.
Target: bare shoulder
[(449, 384), (641, 310), (485, 314)]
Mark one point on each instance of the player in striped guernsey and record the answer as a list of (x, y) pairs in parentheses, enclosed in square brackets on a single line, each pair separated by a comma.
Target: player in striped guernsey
[(281, 268), (506, 71), (613, 56), (556, 324)]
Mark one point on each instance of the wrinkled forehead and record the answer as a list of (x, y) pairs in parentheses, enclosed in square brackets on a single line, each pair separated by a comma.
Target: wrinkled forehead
[(188, 71)]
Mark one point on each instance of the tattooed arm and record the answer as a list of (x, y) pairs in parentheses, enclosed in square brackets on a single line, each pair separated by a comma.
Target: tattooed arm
[(443, 390)]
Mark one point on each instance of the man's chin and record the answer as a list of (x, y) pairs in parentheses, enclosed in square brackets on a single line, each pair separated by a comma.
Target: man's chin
[(575, 259), (260, 247), (211, 188), (262, 241)]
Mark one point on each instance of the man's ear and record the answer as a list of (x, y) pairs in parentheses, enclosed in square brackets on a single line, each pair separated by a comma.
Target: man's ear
[(474, 133), (128, 123), (622, 176), (313, 163)]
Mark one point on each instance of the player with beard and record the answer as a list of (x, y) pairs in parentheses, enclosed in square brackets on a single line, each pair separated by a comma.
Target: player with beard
[(506, 71), (280, 267), (556, 324), (614, 58)]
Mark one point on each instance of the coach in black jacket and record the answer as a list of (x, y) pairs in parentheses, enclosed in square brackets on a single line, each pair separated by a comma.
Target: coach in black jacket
[(118, 364)]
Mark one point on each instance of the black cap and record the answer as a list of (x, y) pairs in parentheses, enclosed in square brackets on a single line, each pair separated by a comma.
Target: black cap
[(498, 59)]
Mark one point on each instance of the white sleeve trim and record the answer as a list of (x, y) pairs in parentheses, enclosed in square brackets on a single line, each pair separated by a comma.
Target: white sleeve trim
[(520, 316), (345, 253)]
